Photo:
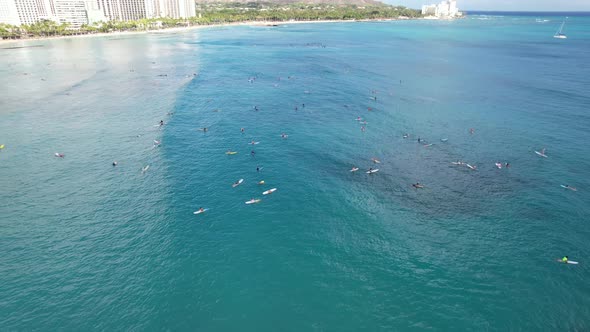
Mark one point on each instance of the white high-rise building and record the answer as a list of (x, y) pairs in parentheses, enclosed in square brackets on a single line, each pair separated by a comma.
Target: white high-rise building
[(445, 9), (123, 10), (8, 12), (93, 12), (170, 8), (28, 11), (17, 12), (71, 12)]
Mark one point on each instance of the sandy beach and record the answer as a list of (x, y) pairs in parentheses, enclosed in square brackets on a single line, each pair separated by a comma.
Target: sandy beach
[(12, 42)]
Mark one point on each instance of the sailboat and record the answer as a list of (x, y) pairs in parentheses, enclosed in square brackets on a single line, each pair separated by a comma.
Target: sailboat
[(559, 34)]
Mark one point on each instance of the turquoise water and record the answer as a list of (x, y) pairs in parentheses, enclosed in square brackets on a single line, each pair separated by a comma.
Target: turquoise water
[(89, 246)]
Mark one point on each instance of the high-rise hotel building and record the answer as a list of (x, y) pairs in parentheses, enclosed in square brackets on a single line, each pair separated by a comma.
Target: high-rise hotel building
[(78, 12)]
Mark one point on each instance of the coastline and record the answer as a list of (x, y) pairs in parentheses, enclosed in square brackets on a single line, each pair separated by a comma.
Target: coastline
[(4, 42)]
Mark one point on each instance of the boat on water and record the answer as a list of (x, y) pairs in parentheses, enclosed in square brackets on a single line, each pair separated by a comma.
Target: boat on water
[(559, 34)]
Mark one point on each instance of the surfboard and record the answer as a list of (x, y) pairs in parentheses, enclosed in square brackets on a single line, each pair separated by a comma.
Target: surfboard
[(373, 171), (199, 211), (238, 183), (143, 170), (376, 161), (471, 167), (354, 169), (444, 139), (541, 154), (253, 201), (231, 152), (253, 143), (270, 191), (569, 262), (261, 182)]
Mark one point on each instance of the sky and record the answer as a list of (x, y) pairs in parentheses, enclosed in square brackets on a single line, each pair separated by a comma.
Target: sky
[(505, 5)]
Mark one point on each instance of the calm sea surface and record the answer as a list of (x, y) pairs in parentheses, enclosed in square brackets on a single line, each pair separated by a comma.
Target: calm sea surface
[(88, 246)]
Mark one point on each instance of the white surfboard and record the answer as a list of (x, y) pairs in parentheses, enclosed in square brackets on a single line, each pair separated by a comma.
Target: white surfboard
[(253, 143), (373, 171), (542, 153), (270, 191), (143, 170), (200, 211), (238, 183), (253, 201)]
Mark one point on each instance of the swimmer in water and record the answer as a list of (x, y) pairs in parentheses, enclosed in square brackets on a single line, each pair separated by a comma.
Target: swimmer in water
[(257, 169), (252, 153), (419, 139), (242, 130), (161, 122), (471, 131)]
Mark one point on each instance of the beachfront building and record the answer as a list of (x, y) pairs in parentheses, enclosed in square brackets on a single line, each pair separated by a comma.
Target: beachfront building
[(71, 12), (17, 12), (79, 12), (170, 8), (8, 12), (445, 9), (123, 10)]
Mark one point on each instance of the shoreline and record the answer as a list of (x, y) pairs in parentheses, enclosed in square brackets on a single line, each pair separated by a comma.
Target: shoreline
[(4, 42)]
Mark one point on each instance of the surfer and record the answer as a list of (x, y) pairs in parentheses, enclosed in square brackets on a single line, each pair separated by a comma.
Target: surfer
[(419, 140), (59, 155), (564, 259), (201, 210), (507, 165), (161, 122), (567, 186), (115, 163), (252, 153), (471, 131), (242, 130), (283, 135), (406, 135), (257, 168), (363, 128), (417, 185)]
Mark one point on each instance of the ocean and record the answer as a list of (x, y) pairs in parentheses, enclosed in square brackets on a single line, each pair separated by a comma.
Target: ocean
[(90, 246)]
